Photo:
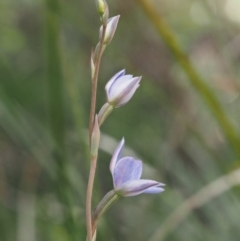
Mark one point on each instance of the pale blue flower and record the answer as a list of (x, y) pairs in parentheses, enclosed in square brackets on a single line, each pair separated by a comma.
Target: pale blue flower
[(126, 174), (120, 88)]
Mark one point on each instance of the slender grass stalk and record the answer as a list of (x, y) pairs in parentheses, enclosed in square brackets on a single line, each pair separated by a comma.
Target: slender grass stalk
[(203, 196), (55, 79), (93, 164), (206, 94), (76, 103), (56, 112)]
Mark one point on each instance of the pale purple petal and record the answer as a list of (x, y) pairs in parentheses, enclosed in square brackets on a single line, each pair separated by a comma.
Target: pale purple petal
[(111, 28), (112, 21), (110, 82), (155, 189), (118, 85), (127, 169), (135, 187), (120, 88), (116, 155), (128, 93), (126, 174)]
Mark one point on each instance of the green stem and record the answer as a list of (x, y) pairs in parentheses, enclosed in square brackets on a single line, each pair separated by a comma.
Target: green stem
[(89, 197), (94, 83), (203, 89), (91, 122), (104, 113), (108, 200)]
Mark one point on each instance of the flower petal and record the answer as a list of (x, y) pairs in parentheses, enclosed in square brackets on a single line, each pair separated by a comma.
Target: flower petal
[(135, 187), (154, 190), (111, 28), (118, 86), (110, 82), (127, 169), (128, 93), (116, 156)]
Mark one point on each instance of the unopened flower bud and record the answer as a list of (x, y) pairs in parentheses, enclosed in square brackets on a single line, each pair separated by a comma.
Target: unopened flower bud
[(120, 88), (110, 29), (104, 17), (101, 6), (95, 138)]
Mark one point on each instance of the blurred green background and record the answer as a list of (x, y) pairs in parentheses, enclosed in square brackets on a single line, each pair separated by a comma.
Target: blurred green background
[(183, 121)]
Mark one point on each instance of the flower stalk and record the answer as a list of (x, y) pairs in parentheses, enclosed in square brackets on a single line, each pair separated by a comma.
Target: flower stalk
[(89, 197), (126, 171), (96, 63), (94, 83)]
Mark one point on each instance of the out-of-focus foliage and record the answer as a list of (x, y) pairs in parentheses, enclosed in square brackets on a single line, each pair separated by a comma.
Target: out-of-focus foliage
[(44, 106)]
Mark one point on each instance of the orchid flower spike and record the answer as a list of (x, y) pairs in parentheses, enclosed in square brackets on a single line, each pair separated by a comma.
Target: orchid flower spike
[(126, 174), (120, 88)]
